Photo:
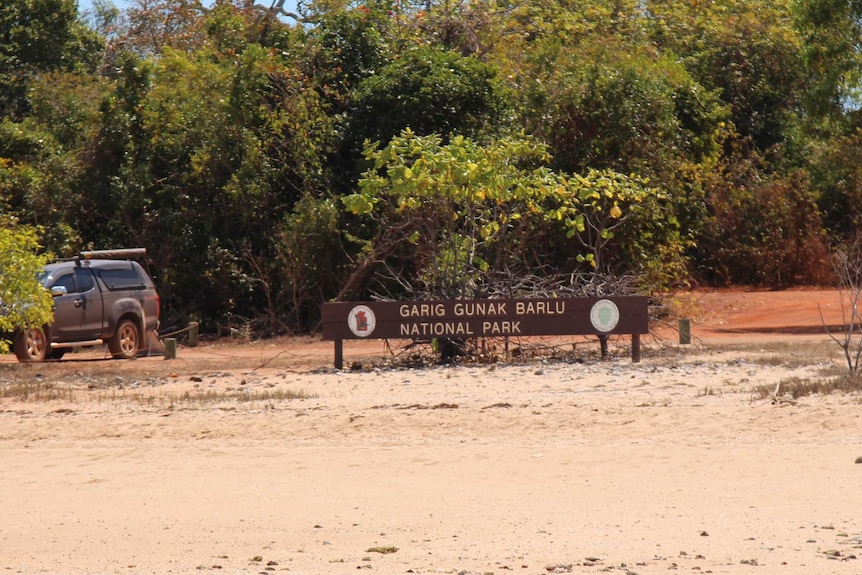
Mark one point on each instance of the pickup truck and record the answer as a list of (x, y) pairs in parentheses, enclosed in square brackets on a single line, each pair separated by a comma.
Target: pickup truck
[(99, 297)]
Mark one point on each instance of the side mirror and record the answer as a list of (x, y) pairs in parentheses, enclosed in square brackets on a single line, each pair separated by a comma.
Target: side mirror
[(58, 291)]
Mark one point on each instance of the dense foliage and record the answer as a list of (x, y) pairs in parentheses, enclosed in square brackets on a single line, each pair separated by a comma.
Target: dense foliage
[(23, 302), (270, 163)]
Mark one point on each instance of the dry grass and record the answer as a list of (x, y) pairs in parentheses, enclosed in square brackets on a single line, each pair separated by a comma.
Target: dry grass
[(36, 391), (211, 396), (42, 392), (98, 382), (825, 357), (708, 391), (796, 387)]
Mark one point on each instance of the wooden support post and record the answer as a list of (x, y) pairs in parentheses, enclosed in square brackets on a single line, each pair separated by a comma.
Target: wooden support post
[(339, 353), (170, 348), (603, 341), (684, 331), (193, 334), (636, 347)]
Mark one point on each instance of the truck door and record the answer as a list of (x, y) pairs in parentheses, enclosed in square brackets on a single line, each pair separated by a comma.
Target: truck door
[(78, 314)]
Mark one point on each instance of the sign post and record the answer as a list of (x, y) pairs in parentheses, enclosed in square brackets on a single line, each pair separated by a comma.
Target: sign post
[(461, 319)]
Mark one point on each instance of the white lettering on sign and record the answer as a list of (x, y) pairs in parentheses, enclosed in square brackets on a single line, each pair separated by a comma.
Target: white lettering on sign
[(540, 307), (422, 310), (480, 308), (437, 328), (501, 327)]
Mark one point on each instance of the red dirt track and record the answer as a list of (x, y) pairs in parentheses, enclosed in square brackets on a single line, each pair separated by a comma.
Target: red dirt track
[(723, 314)]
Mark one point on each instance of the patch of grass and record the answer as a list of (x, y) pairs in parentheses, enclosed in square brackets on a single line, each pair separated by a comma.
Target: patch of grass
[(707, 391), (36, 391), (275, 395), (796, 387), (791, 361), (47, 391), (211, 396), (785, 354)]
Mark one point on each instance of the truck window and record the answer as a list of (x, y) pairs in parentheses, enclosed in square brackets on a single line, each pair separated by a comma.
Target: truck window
[(84, 280), (67, 281), (125, 278)]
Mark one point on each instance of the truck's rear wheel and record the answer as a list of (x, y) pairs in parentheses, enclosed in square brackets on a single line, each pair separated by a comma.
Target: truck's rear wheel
[(127, 340), (31, 344)]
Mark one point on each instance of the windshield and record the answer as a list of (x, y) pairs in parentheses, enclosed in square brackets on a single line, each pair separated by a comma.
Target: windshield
[(43, 276)]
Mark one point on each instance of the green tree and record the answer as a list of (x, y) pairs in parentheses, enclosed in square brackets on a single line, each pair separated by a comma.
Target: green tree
[(311, 260), (832, 35), (40, 36), (748, 52), (614, 105), (23, 300), (430, 91), (39, 171), (345, 46), (200, 158), (470, 212), (207, 171), (836, 172)]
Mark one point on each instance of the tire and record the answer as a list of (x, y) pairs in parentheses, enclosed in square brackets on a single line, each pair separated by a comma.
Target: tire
[(32, 345), (127, 340)]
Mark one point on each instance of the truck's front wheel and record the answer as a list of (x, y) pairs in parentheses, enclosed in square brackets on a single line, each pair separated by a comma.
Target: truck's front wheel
[(127, 340), (31, 344)]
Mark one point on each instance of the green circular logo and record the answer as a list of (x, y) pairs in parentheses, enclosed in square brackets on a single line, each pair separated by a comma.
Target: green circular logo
[(604, 315)]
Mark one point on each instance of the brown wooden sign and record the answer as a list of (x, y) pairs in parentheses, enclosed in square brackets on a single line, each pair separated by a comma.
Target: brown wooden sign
[(460, 319)]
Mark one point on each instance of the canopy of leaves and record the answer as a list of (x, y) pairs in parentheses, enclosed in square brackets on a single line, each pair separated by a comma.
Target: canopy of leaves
[(468, 209), (430, 91), (40, 36), (608, 106), (750, 53)]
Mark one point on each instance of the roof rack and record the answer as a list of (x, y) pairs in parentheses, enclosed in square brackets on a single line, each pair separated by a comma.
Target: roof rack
[(117, 254)]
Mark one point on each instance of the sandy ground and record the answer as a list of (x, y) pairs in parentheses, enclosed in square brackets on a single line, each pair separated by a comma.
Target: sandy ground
[(258, 457)]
